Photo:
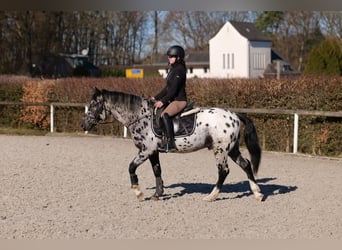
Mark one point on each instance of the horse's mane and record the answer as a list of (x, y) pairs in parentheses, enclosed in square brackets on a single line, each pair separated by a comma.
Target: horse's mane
[(130, 101)]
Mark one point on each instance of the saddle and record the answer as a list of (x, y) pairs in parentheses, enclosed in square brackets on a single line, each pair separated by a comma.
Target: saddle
[(184, 122)]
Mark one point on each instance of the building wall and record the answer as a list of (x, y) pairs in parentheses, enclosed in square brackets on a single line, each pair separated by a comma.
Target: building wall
[(260, 57), (195, 72), (228, 53), (162, 72)]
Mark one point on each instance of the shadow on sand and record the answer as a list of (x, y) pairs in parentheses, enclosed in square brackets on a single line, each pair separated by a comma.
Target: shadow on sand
[(239, 189)]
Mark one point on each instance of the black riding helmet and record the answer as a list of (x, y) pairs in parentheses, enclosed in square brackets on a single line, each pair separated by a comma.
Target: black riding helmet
[(176, 50)]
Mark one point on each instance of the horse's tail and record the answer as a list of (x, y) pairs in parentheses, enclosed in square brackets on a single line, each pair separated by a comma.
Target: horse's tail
[(252, 142)]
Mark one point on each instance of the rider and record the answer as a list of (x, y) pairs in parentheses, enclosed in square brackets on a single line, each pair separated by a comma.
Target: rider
[(173, 95)]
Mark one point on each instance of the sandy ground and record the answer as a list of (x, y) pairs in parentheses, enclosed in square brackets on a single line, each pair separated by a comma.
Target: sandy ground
[(61, 187)]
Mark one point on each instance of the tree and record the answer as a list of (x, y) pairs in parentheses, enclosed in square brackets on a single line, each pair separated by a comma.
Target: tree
[(110, 37), (269, 21), (194, 29), (332, 23), (126, 37), (156, 34), (123, 37), (298, 32), (325, 59)]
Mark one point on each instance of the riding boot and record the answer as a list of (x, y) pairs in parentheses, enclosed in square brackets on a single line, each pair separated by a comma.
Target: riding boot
[(170, 145)]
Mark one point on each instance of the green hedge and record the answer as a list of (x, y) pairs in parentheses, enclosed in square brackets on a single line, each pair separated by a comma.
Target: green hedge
[(10, 90)]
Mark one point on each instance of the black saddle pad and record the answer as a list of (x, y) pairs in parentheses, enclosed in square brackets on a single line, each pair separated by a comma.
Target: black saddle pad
[(183, 126)]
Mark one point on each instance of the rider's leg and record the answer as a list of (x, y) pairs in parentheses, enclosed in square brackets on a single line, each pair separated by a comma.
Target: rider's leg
[(171, 110), (174, 108), (170, 145)]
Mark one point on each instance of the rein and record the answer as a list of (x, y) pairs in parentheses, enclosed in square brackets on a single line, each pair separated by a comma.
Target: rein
[(137, 120), (128, 124), (140, 118), (132, 122), (102, 123)]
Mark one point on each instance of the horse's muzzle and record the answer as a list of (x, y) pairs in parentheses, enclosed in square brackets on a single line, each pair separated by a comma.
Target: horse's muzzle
[(87, 124)]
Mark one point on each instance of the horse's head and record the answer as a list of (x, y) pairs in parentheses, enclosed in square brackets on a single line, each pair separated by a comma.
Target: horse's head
[(96, 111)]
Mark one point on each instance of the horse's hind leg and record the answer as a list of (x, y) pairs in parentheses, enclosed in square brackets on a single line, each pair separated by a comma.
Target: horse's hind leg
[(154, 159), (245, 164), (223, 171)]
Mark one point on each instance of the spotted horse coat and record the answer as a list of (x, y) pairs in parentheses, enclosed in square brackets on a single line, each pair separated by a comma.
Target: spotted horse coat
[(216, 129)]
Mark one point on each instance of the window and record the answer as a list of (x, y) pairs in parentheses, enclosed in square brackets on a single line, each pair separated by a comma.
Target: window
[(228, 62), (224, 61), (232, 60), (259, 61)]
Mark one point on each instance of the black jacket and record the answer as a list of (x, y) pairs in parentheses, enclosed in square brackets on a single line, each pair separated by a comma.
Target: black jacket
[(175, 85)]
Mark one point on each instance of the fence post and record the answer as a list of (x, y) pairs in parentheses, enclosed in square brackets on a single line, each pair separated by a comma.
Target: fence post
[(125, 131), (295, 133), (51, 117), (85, 111), (278, 69)]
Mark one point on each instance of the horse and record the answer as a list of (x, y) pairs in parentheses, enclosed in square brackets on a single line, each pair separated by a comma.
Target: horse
[(214, 128)]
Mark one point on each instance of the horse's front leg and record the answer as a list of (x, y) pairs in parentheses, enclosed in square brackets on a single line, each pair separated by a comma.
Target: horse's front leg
[(137, 161), (154, 159)]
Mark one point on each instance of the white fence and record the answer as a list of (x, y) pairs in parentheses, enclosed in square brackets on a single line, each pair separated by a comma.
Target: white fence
[(295, 113)]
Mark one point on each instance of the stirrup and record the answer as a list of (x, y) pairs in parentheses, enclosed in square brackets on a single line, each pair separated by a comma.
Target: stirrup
[(167, 147)]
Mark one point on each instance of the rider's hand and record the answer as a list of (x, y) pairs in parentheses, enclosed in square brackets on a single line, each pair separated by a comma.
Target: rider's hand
[(158, 104)]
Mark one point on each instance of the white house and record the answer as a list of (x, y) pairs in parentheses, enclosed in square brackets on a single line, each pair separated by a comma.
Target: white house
[(238, 50)]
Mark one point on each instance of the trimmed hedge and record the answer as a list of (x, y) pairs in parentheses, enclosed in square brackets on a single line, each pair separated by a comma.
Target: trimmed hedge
[(317, 135), (11, 89)]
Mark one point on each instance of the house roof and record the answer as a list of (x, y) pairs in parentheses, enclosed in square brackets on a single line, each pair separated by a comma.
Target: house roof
[(249, 31), (192, 58), (197, 57)]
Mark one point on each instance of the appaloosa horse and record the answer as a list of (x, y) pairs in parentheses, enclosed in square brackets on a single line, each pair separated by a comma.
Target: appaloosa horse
[(214, 128)]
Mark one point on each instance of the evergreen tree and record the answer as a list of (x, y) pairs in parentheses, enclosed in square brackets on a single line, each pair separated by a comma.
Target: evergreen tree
[(269, 21), (325, 58)]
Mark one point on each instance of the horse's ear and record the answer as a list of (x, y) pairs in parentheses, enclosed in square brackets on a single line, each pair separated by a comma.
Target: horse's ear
[(97, 91)]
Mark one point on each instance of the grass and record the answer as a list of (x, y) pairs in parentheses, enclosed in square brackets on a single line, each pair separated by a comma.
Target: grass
[(37, 132), (22, 131)]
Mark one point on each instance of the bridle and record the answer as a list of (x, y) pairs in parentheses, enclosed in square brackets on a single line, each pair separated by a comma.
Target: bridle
[(128, 124)]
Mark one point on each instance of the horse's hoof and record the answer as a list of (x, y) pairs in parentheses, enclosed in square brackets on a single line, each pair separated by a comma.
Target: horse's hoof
[(138, 193), (209, 198), (155, 198), (213, 195), (140, 196), (259, 197)]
